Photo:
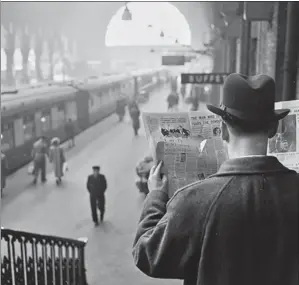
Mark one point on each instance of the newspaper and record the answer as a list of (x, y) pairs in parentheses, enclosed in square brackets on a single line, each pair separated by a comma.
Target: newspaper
[(188, 143), (285, 144)]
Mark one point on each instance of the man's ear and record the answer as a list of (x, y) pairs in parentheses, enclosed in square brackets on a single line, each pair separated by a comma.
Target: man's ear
[(273, 129), (224, 132)]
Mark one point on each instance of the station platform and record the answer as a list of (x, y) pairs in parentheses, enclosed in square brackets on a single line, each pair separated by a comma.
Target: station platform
[(64, 211)]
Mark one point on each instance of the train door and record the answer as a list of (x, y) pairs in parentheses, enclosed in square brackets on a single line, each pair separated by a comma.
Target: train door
[(82, 101)]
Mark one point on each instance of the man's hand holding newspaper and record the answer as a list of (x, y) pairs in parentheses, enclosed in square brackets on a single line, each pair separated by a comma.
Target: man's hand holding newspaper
[(156, 180)]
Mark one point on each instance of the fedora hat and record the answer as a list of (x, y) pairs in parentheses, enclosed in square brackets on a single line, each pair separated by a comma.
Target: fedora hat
[(249, 98)]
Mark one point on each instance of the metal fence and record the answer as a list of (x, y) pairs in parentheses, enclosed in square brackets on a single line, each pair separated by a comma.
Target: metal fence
[(34, 259)]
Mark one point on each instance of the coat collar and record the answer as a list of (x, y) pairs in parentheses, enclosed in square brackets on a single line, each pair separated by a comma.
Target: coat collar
[(251, 165)]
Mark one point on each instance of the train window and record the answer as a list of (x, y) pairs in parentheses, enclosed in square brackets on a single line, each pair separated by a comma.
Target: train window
[(60, 114), (29, 127), (91, 101), (111, 94), (46, 121), (105, 98), (7, 136)]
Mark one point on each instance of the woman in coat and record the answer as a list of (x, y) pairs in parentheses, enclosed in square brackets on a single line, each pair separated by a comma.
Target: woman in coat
[(135, 114), (56, 156), (121, 107)]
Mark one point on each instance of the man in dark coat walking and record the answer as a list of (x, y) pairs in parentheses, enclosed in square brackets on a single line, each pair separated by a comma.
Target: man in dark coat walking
[(121, 107), (238, 226), (96, 186), (173, 99)]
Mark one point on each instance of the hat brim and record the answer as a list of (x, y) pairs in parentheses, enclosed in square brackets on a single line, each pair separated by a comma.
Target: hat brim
[(276, 115)]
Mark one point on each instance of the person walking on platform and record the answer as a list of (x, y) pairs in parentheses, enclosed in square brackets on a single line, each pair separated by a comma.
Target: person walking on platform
[(173, 100), (96, 186), (135, 116), (4, 170), (183, 90), (238, 226), (195, 98), (57, 157), (121, 107), (39, 155), (70, 133)]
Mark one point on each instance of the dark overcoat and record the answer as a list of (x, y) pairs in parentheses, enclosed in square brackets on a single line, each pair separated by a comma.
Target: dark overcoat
[(96, 186), (238, 227), (135, 114)]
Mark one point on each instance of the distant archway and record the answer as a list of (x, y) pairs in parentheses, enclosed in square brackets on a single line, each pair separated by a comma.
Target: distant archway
[(148, 20)]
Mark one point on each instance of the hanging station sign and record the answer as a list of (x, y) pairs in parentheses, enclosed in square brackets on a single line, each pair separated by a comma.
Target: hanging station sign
[(203, 78), (173, 60)]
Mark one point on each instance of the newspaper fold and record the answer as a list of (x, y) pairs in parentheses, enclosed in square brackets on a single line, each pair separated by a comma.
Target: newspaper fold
[(188, 143)]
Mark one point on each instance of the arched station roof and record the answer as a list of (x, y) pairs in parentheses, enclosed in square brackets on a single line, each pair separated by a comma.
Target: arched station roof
[(86, 22)]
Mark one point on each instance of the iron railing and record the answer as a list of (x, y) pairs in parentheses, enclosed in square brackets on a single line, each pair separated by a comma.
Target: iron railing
[(34, 259)]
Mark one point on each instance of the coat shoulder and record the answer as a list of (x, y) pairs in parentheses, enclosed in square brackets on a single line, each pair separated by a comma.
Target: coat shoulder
[(202, 191)]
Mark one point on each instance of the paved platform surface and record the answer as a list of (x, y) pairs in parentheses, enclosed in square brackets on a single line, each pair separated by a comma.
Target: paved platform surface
[(64, 210)]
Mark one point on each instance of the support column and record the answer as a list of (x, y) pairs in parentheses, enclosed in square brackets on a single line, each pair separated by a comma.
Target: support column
[(291, 52), (38, 53), (218, 66), (252, 56), (245, 47), (25, 49), (10, 50), (232, 54), (62, 47), (51, 45), (224, 54), (280, 47), (245, 42)]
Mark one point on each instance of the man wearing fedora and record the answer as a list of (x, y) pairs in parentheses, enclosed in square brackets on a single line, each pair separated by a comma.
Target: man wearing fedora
[(96, 186), (238, 226)]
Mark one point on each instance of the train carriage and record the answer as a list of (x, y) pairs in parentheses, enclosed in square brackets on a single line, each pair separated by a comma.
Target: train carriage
[(27, 115)]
